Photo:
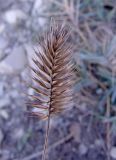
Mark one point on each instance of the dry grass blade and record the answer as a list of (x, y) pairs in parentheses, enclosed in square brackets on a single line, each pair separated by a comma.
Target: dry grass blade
[(53, 75)]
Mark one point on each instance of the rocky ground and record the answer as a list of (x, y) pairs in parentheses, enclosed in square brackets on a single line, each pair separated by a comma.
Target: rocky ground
[(74, 135)]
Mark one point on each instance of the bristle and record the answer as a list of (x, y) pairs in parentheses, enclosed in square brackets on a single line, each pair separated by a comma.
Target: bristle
[(53, 73)]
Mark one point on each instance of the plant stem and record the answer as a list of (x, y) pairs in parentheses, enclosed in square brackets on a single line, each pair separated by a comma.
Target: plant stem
[(46, 137)]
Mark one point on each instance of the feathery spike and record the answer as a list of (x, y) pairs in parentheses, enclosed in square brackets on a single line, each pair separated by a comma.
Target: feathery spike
[(53, 75)]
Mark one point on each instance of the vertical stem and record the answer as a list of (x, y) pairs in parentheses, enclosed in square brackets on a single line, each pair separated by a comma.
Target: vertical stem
[(46, 137)]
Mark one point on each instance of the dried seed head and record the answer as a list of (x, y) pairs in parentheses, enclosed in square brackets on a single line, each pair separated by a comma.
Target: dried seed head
[(53, 73)]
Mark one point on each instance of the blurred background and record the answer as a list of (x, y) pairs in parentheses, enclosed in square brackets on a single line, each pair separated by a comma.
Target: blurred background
[(88, 130)]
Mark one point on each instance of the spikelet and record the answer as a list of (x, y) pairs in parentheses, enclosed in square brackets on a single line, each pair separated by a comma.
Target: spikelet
[(54, 76)]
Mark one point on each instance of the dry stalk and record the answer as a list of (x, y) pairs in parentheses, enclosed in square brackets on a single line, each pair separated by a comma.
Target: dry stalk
[(53, 75)]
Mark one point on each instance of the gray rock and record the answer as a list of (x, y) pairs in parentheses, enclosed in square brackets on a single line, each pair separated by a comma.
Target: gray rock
[(4, 102), (82, 149), (3, 43), (113, 152), (4, 114), (15, 62), (15, 15)]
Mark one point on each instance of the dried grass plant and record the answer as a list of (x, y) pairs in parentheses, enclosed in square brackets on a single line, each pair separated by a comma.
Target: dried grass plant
[(94, 35), (53, 75)]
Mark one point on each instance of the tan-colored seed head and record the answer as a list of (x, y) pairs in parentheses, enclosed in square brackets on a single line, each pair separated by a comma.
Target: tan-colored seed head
[(53, 73)]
